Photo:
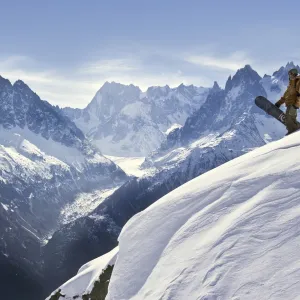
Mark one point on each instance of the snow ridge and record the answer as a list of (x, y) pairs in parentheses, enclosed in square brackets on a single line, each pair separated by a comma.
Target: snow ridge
[(230, 234)]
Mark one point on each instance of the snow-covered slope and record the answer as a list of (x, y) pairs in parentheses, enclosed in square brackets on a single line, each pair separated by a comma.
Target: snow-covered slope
[(232, 233), (102, 227), (276, 84), (226, 126), (83, 282), (123, 121), (130, 165), (45, 160)]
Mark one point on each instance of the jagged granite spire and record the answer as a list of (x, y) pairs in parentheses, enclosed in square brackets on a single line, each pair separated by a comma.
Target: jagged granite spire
[(245, 75), (4, 83), (228, 84), (221, 108), (282, 73), (216, 88)]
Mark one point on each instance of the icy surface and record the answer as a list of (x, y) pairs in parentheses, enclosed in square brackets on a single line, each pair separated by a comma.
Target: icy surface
[(231, 233), (83, 282)]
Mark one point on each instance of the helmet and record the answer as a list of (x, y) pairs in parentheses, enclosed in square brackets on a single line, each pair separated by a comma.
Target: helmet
[(293, 72)]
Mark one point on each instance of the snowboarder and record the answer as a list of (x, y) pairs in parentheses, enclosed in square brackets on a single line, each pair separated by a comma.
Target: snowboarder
[(291, 98)]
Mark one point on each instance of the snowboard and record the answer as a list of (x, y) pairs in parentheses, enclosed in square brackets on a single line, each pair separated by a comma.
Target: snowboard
[(270, 108)]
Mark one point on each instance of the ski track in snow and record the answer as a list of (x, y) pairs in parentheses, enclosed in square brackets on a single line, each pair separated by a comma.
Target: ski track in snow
[(231, 233)]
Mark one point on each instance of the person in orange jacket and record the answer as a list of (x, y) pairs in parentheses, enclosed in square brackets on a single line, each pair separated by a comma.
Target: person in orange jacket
[(291, 98)]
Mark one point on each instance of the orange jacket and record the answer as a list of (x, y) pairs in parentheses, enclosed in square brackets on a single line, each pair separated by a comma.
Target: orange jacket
[(292, 93)]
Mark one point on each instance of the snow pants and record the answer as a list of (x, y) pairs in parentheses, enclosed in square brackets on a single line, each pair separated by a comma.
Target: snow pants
[(291, 119)]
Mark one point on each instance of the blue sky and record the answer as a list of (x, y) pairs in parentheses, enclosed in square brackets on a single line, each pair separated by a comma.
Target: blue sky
[(65, 50)]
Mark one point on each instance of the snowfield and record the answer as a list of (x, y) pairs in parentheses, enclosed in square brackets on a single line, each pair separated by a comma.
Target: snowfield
[(130, 165), (83, 282), (231, 233)]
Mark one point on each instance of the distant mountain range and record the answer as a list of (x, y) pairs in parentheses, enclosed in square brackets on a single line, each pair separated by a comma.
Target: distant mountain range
[(45, 160), (123, 121), (226, 125), (50, 156)]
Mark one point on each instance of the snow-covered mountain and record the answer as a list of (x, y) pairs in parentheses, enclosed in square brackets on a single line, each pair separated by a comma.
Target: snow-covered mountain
[(123, 121), (226, 126), (226, 107), (228, 122), (276, 84), (231, 233), (45, 160)]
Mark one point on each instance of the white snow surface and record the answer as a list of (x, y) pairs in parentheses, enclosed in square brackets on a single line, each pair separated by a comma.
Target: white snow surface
[(231, 233), (30, 144), (85, 203), (4, 206), (21, 158), (174, 126), (83, 282), (269, 128), (130, 165)]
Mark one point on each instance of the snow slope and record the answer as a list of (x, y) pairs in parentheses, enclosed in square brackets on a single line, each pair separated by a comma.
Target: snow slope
[(231, 233), (83, 282)]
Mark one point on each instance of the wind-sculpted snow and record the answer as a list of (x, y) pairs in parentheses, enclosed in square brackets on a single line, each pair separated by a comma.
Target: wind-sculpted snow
[(231, 233)]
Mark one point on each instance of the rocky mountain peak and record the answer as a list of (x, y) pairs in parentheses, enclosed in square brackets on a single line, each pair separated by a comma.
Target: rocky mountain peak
[(158, 91), (115, 88), (20, 84), (228, 84), (282, 73), (215, 88), (22, 87), (291, 65), (4, 83), (245, 75)]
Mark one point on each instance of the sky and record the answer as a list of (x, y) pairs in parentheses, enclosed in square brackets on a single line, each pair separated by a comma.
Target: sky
[(66, 50)]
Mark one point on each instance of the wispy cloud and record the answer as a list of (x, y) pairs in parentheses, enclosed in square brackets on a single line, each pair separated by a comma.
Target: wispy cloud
[(108, 66), (75, 86), (49, 84), (20, 67), (232, 62)]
